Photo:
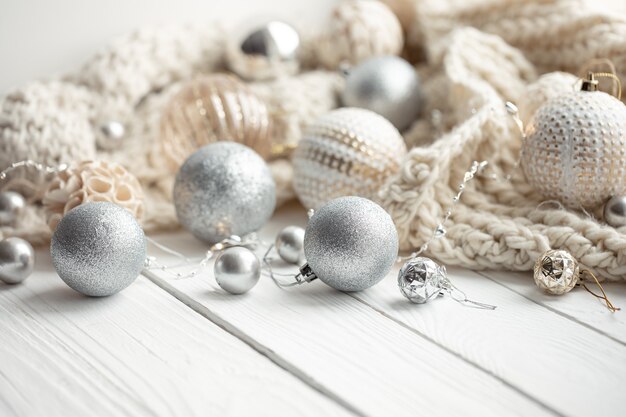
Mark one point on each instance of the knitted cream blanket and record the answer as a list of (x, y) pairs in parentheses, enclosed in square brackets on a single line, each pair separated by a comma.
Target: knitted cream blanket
[(472, 56)]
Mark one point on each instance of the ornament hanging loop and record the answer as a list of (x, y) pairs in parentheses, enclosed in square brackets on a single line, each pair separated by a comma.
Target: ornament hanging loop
[(460, 297), (603, 296), (591, 82)]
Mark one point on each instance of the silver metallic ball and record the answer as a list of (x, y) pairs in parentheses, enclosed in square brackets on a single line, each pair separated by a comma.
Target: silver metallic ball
[(351, 243), (387, 85), (615, 211), (420, 279), (98, 249), (237, 270), (290, 244), (224, 189), (556, 272), (111, 135), (11, 206), (17, 260)]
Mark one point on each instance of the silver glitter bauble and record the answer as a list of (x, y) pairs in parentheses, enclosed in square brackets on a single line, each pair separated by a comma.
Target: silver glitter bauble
[(351, 243), (237, 270), (11, 206), (224, 189), (290, 244), (265, 52), (420, 279), (615, 211), (386, 85), (17, 260), (98, 248), (347, 151), (556, 272), (111, 135), (575, 149)]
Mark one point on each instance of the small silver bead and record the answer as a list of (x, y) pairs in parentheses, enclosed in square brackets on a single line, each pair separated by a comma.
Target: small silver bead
[(17, 260), (111, 135), (290, 244), (237, 270), (615, 211), (11, 206)]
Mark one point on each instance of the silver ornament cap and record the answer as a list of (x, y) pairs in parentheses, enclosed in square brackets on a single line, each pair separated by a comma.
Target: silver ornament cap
[(556, 272), (237, 270), (17, 260), (224, 189), (615, 211), (98, 249), (387, 85), (351, 243), (290, 244), (12, 204), (421, 279)]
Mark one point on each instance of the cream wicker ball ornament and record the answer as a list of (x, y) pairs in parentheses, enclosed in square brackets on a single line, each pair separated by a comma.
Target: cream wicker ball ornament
[(217, 107), (575, 148), (347, 151)]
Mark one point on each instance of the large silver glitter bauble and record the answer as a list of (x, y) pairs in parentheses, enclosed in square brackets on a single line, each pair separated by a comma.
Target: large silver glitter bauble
[(575, 149), (556, 272), (237, 270), (421, 279), (98, 249), (351, 243), (224, 189), (615, 211), (387, 85), (17, 260), (290, 244), (11, 206), (266, 51), (347, 151)]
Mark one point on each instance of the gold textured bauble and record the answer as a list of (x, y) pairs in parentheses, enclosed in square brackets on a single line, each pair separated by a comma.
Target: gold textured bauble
[(92, 181), (556, 272), (213, 108), (345, 152), (575, 149)]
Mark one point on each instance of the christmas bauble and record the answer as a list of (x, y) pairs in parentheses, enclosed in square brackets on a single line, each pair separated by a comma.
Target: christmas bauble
[(265, 52), (110, 135), (358, 30), (575, 149), (387, 85), (11, 206), (237, 270), (556, 272), (98, 249), (351, 243), (615, 211), (17, 260), (347, 151), (420, 279), (212, 108), (224, 189), (290, 244)]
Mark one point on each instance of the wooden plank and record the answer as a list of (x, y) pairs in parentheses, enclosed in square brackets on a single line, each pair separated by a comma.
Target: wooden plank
[(375, 365), (138, 353), (568, 367)]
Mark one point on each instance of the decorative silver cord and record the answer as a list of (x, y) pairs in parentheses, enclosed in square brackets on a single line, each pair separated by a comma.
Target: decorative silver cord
[(33, 164), (460, 297), (267, 261)]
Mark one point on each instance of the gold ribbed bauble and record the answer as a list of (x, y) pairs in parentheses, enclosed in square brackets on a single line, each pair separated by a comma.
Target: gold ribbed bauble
[(556, 272), (346, 152), (211, 108), (575, 148)]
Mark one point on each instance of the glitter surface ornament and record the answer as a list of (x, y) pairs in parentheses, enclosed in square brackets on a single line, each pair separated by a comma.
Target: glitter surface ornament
[(212, 108), (556, 272), (575, 148), (350, 244), (420, 279), (98, 249), (290, 244), (224, 189), (346, 152), (386, 85)]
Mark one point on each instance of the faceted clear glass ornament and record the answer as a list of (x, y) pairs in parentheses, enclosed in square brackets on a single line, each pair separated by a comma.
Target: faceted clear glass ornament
[(556, 272), (421, 279)]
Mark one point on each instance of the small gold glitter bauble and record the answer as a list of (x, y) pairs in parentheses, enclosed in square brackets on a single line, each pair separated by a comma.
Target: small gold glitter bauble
[(92, 181), (345, 152), (556, 272), (217, 107), (575, 149)]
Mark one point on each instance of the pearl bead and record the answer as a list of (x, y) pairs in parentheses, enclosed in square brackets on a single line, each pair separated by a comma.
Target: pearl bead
[(290, 244), (237, 270), (17, 260), (615, 211), (11, 206)]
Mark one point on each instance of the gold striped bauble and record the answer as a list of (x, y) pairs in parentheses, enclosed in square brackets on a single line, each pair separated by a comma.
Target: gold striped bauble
[(345, 152), (211, 108)]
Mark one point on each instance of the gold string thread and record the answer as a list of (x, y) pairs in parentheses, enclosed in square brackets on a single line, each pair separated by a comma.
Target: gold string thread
[(602, 296)]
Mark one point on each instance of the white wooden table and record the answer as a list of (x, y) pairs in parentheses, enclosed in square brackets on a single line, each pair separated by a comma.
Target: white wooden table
[(167, 347)]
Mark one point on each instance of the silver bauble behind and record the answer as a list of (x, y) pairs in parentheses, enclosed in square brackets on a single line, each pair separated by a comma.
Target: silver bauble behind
[(387, 85), (224, 189), (351, 243), (98, 248), (17, 260), (11, 206)]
